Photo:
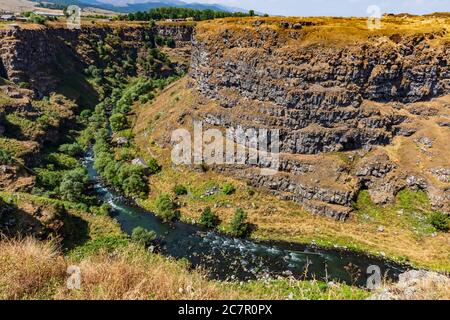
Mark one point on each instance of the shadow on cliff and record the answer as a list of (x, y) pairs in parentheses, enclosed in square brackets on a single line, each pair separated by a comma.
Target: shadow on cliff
[(72, 82)]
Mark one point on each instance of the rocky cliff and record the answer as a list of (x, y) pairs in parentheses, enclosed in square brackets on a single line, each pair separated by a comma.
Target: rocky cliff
[(336, 91), (314, 90)]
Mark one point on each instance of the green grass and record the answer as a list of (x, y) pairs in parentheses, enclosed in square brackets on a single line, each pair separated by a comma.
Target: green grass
[(412, 209), (300, 290)]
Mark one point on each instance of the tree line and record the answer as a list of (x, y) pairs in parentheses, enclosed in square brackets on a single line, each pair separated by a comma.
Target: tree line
[(182, 13)]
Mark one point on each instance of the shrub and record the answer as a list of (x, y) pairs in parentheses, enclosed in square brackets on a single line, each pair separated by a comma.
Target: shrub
[(143, 236), (118, 122), (209, 219), (24, 85), (5, 157), (135, 185), (73, 149), (440, 221), (166, 208), (73, 184), (179, 190), (239, 227), (153, 166), (62, 161), (170, 43), (50, 179), (228, 188), (103, 210)]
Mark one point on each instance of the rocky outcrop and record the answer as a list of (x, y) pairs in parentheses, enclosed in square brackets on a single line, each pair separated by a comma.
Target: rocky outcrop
[(416, 285), (180, 33)]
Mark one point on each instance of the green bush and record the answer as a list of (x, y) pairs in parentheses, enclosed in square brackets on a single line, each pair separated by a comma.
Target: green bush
[(239, 227), (153, 166), (73, 185), (5, 157), (86, 113), (135, 186), (24, 85), (179, 190), (440, 221), (61, 160), (49, 179), (73, 149), (170, 43), (118, 122), (103, 210), (166, 208), (228, 188), (209, 219), (143, 236)]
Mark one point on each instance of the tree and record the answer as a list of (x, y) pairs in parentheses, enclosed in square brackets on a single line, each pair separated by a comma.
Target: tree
[(239, 227), (166, 208), (73, 184), (143, 236), (251, 13), (73, 149), (179, 190), (440, 221), (118, 122), (209, 219), (135, 185), (5, 157), (228, 188)]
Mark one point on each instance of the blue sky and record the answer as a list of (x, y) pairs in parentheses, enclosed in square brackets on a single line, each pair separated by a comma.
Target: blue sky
[(322, 7), (335, 7)]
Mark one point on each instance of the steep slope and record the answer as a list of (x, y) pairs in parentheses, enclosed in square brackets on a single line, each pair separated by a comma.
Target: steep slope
[(331, 85)]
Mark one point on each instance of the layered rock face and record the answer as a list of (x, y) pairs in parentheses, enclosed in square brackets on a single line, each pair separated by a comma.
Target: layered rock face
[(328, 86), (32, 55), (314, 92)]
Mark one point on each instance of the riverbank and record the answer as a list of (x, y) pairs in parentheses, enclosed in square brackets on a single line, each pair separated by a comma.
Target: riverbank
[(113, 267)]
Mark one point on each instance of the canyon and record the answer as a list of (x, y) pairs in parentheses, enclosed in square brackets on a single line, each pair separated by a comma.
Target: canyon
[(363, 116), (350, 109)]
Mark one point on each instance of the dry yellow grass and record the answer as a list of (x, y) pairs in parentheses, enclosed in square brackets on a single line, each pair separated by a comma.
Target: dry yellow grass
[(327, 30), (31, 269), (28, 268)]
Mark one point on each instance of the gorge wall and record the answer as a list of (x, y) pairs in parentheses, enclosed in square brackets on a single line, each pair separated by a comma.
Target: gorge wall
[(31, 55), (331, 86), (315, 91)]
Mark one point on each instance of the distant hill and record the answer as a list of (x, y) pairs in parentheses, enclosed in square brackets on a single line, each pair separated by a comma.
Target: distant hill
[(142, 6)]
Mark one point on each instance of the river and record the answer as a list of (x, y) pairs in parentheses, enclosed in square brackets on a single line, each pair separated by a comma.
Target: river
[(227, 258)]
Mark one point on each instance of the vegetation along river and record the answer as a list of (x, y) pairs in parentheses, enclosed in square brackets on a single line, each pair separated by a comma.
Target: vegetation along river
[(228, 258)]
